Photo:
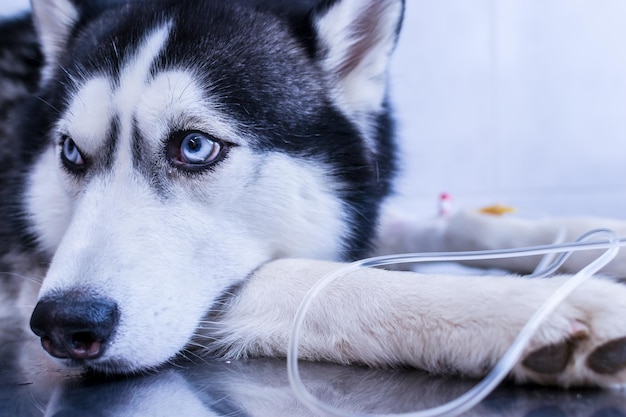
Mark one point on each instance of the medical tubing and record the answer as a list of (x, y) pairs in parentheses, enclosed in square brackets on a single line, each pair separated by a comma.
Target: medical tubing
[(550, 263), (509, 359), (546, 271)]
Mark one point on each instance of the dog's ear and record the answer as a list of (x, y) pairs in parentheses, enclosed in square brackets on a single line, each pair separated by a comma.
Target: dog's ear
[(355, 41), (54, 21)]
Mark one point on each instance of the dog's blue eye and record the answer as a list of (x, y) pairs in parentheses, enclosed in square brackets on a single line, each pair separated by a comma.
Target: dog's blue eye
[(195, 151), (198, 149), (71, 154)]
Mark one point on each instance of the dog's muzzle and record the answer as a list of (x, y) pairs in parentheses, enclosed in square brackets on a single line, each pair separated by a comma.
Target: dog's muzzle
[(75, 325)]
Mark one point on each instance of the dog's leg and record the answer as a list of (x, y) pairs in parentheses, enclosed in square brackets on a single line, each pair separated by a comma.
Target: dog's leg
[(443, 324)]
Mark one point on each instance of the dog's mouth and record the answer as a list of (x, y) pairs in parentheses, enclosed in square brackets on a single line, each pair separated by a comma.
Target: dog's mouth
[(84, 328)]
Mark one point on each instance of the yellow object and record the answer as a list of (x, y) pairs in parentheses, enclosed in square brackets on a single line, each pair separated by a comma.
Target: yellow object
[(497, 210)]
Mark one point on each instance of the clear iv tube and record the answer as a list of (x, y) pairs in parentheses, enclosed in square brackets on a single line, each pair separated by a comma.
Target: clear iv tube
[(559, 260), (510, 358)]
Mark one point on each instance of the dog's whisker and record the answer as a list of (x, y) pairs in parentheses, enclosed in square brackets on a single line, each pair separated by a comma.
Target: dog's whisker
[(47, 103), (175, 364), (31, 278), (191, 356)]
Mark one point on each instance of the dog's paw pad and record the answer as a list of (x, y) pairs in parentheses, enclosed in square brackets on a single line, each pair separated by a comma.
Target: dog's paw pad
[(609, 358), (550, 359)]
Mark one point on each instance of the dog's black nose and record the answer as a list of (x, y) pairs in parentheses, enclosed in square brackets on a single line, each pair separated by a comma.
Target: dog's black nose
[(74, 325)]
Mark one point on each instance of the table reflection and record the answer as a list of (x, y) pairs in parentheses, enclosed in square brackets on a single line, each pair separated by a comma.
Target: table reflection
[(32, 385)]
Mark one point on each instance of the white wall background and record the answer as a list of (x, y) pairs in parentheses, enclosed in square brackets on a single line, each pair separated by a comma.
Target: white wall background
[(520, 102), (12, 6)]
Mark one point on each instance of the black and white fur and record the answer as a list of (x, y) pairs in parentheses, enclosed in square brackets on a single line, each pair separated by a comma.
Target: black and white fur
[(305, 155), (176, 150)]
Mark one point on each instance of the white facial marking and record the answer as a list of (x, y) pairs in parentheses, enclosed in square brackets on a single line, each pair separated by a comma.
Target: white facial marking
[(294, 208), (89, 115), (87, 121), (174, 100), (133, 81), (48, 202)]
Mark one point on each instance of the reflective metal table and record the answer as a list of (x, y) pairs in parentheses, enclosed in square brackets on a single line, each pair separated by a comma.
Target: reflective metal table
[(32, 385)]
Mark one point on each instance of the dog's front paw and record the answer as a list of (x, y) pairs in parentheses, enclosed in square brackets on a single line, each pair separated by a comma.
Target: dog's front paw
[(583, 342)]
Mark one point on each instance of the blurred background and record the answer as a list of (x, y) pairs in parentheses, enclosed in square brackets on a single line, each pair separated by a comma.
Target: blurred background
[(517, 102)]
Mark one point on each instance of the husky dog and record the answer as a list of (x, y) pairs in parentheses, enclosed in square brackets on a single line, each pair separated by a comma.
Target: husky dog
[(177, 155)]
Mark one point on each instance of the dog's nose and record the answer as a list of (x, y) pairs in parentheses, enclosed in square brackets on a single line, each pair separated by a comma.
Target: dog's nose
[(74, 325)]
